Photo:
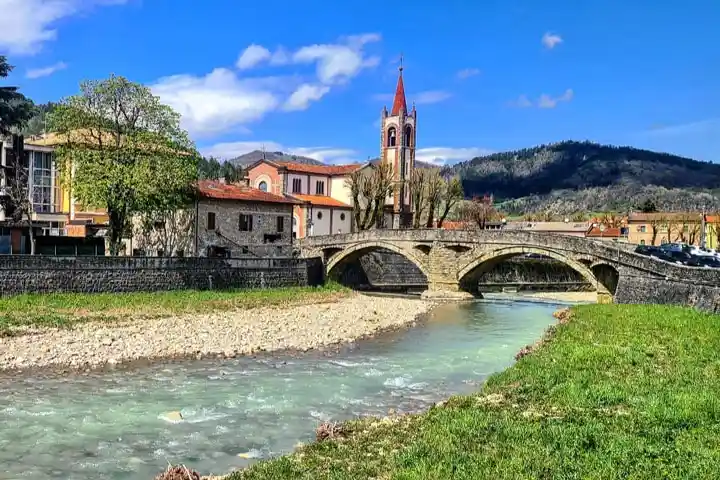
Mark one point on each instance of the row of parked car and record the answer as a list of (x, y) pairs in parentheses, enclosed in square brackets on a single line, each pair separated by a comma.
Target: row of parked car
[(682, 254)]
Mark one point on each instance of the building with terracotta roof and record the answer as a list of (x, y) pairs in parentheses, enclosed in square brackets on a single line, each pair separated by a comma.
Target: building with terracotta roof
[(712, 231), (324, 203), (235, 220)]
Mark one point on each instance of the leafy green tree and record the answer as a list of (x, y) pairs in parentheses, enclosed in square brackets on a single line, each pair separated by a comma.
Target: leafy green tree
[(37, 124), (231, 173), (15, 109), (209, 169), (123, 150), (648, 206)]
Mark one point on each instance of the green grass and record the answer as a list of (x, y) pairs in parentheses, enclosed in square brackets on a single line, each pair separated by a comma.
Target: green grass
[(621, 392), (68, 309)]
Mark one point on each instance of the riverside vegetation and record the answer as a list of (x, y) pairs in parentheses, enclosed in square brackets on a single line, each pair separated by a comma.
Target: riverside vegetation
[(619, 391)]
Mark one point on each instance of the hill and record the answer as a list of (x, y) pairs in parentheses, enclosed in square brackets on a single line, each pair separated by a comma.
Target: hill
[(249, 158), (582, 176)]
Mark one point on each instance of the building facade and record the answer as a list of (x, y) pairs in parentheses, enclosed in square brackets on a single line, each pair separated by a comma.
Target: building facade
[(658, 228), (398, 134), (236, 220), (324, 205)]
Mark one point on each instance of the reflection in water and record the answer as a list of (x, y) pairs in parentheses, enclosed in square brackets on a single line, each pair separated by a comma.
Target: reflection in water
[(117, 424)]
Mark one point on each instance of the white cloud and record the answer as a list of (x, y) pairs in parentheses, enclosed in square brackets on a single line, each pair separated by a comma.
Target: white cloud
[(337, 63), (467, 73), (545, 100), (219, 101), (223, 101), (25, 25), (252, 55), (305, 93), (551, 40), (431, 96), (45, 71), (230, 150), (448, 155)]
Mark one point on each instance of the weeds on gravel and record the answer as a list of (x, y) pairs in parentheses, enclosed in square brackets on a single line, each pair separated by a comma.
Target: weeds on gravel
[(68, 309)]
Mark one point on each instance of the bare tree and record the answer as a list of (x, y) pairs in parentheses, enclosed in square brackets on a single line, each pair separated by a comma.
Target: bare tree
[(418, 194), (369, 192), (435, 186), (657, 222), (16, 201), (451, 195), (688, 228), (480, 211)]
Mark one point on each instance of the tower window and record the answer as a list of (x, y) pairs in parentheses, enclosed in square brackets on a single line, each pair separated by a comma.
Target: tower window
[(319, 188), (392, 137), (297, 185), (407, 139)]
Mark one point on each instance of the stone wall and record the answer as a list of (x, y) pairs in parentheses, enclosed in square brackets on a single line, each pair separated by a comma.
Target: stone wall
[(227, 232), (132, 274), (637, 289)]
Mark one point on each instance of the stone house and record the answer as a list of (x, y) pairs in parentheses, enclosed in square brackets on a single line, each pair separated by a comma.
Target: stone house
[(237, 220)]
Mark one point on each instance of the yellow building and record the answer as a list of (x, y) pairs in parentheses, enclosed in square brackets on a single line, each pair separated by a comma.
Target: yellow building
[(658, 228), (712, 231)]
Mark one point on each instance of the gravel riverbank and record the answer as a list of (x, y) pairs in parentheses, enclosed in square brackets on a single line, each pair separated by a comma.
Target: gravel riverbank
[(227, 333)]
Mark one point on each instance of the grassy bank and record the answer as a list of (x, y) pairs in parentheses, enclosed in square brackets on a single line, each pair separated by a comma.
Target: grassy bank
[(619, 392), (61, 310)]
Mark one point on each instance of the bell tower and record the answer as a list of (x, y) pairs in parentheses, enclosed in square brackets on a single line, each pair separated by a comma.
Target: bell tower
[(397, 148)]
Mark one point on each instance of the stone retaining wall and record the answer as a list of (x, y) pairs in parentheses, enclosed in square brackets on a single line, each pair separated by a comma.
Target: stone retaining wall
[(40, 274), (635, 289)]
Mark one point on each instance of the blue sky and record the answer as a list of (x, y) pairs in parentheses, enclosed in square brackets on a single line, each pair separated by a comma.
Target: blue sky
[(311, 77)]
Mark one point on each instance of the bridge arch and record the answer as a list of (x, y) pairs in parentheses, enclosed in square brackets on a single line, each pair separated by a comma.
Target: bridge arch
[(492, 258), (361, 248)]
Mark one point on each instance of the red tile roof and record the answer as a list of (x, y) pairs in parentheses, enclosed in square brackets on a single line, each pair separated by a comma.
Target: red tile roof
[(328, 170), (399, 101), (321, 201), (223, 191), (610, 232)]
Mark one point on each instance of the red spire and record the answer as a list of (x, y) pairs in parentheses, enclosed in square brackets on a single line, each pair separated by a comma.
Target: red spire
[(399, 101)]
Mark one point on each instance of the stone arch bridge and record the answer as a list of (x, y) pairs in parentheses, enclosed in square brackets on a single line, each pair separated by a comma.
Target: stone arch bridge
[(452, 260)]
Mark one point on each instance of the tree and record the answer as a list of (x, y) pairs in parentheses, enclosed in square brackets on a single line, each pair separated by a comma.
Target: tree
[(435, 186), (16, 202), (37, 124), (369, 192), (452, 193), (209, 169), (231, 173), (657, 222), (418, 194), (648, 206), (15, 109), (121, 149), (479, 211)]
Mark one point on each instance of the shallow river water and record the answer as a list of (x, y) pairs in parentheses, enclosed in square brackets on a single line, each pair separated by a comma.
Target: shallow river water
[(114, 424)]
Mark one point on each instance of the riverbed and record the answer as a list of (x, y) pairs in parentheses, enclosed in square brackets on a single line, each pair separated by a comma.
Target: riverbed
[(121, 423)]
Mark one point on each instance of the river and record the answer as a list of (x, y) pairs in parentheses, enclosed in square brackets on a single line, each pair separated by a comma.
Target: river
[(114, 424)]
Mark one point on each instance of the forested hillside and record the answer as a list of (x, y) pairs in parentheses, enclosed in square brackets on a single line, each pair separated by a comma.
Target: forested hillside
[(571, 176)]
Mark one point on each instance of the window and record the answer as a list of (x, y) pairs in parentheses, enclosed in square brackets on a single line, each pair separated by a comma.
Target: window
[(297, 185), (319, 188), (391, 137), (342, 217), (407, 138), (642, 228), (280, 224), (245, 223), (319, 215), (263, 186), (44, 186), (642, 242), (211, 221)]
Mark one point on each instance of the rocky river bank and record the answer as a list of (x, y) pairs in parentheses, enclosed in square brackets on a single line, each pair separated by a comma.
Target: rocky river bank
[(226, 334)]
